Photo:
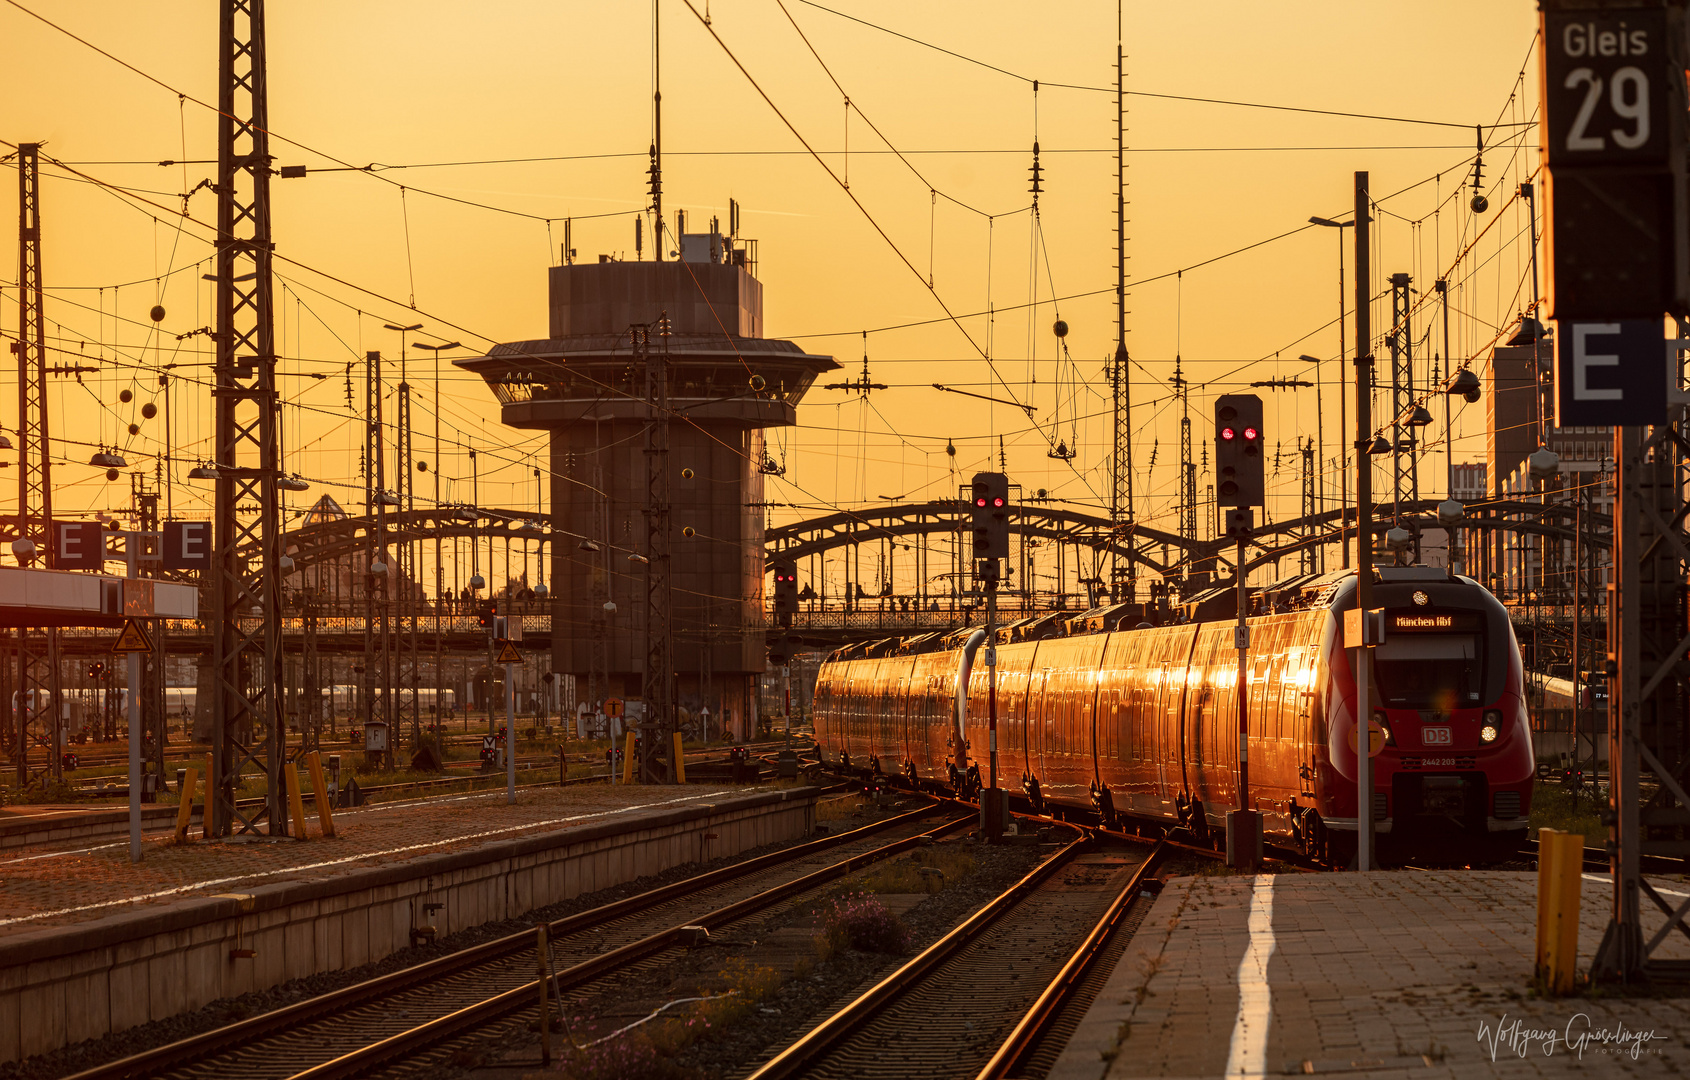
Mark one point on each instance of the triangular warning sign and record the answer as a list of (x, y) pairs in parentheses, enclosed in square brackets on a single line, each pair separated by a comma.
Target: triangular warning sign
[(133, 639), (508, 654)]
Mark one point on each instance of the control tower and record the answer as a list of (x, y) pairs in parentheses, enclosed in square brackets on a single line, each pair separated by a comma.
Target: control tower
[(726, 385)]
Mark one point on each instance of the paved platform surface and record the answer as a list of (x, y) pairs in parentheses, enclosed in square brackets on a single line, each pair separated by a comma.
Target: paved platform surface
[(55, 884), (1400, 974)]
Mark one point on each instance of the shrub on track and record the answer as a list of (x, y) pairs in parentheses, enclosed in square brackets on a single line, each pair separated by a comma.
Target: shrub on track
[(860, 921)]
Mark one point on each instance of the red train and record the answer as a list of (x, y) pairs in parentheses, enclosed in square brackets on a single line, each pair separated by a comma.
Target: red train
[(1143, 721)]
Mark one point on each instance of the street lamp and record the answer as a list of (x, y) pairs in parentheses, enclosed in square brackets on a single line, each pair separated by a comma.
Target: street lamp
[(1343, 455), (439, 567)]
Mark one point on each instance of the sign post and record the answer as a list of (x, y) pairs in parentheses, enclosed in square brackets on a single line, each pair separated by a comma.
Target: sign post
[(510, 736), (510, 657), (133, 641), (1616, 135)]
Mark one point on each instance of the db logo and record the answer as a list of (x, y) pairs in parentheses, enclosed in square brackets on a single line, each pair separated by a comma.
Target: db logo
[(1437, 736)]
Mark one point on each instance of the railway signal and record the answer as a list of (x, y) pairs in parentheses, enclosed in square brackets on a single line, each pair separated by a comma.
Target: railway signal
[(989, 509), (485, 614), (1239, 466), (786, 592)]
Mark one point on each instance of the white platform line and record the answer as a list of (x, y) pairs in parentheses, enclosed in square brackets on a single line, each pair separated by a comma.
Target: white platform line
[(209, 883), (1248, 1055)]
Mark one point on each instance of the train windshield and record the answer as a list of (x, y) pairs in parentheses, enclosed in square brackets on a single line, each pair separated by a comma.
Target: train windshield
[(1435, 672)]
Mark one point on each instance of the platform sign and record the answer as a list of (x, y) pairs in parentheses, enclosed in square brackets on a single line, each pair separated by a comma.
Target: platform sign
[(133, 639), (508, 653), (78, 545), (187, 545), (1614, 103), (1611, 373)]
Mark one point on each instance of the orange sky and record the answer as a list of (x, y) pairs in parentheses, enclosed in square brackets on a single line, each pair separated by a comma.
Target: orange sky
[(431, 82)]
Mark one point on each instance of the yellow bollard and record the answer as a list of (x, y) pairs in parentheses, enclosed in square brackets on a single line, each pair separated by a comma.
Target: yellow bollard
[(628, 761), (680, 761), (185, 808), (320, 790), (296, 805), (1559, 876)]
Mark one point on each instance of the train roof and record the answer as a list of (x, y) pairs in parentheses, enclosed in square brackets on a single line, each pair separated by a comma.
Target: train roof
[(1298, 592)]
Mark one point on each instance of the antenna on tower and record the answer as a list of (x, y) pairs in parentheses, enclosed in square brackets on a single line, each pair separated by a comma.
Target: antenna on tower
[(733, 219)]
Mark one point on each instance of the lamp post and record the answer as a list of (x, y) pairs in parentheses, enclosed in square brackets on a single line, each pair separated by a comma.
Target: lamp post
[(1343, 455), (439, 560)]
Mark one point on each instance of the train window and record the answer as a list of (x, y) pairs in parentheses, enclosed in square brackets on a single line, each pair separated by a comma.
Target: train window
[(1439, 672)]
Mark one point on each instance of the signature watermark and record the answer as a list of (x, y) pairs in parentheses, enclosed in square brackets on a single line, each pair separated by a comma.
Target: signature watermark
[(1579, 1036)]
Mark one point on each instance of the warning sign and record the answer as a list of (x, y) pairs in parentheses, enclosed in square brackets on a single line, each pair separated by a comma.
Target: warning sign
[(613, 706), (508, 654), (133, 639)]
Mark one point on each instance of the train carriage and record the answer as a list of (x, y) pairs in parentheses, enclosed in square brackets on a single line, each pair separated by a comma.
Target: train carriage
[(1144, 722)]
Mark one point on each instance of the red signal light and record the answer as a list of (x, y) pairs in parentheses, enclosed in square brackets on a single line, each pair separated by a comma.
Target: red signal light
[(1251, 434), (1228, 434), (997, 502), (981, 501)]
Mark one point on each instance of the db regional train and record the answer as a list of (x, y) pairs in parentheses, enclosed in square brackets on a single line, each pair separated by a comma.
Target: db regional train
[(1111, 714)]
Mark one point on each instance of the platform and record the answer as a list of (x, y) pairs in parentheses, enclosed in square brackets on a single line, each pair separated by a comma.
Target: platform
[(56, 883), (90, 943), (1404, 974)]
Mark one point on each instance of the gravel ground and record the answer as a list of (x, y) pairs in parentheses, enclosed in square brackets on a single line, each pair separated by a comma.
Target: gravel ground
[(777, 941), (92, 1052)]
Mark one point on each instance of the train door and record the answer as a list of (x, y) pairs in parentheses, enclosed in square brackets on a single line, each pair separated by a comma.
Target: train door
[(1316, 629), (1171, 661), (1212, 718)]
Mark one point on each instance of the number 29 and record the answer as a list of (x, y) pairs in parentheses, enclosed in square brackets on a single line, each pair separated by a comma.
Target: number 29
[(1628, 96)]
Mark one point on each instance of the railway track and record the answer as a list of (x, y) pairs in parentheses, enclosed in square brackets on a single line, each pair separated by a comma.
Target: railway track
[(990, 998), (414, 1016)]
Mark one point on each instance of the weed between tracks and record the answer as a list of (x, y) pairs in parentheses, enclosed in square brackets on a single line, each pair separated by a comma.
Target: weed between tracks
[(789, 971), (1553, 807)]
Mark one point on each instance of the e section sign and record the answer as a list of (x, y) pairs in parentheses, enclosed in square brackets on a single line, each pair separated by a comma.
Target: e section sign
[(187, 545), (1611, 373), (78, 545)]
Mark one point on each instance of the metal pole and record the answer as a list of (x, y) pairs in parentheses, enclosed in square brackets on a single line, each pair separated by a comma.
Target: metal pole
[(1364, 530), (1241, 640), (133, 661), (1343, 455), (510, 736), (992, 684), (1621, 953)]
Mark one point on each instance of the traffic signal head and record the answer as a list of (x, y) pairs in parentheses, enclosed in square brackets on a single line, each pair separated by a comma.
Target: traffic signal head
[(1239, 464), (786, 592), (486, 613), (780, 649), (989, 513)]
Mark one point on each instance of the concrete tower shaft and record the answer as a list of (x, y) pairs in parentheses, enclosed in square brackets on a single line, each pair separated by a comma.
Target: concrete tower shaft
[(726, 385)]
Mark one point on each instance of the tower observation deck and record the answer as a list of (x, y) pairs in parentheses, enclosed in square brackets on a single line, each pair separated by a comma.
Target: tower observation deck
[(726, 385)]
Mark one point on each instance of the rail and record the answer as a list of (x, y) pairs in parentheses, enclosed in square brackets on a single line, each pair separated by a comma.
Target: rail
[(288, 1021)]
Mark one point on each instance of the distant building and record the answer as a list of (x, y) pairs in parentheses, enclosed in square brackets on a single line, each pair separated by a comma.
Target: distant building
[(726, 385)]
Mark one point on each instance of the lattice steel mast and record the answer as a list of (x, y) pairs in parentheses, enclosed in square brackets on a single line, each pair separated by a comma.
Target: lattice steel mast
[(1121, 461), (1405, 471), (246, 594), (38, 658)]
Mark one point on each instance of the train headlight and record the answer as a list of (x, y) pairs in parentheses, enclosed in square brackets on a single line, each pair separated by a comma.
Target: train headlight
[(1492, 727), (1384, 726)]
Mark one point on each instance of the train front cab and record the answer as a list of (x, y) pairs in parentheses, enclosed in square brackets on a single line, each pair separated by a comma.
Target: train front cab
[(1454, 774)]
